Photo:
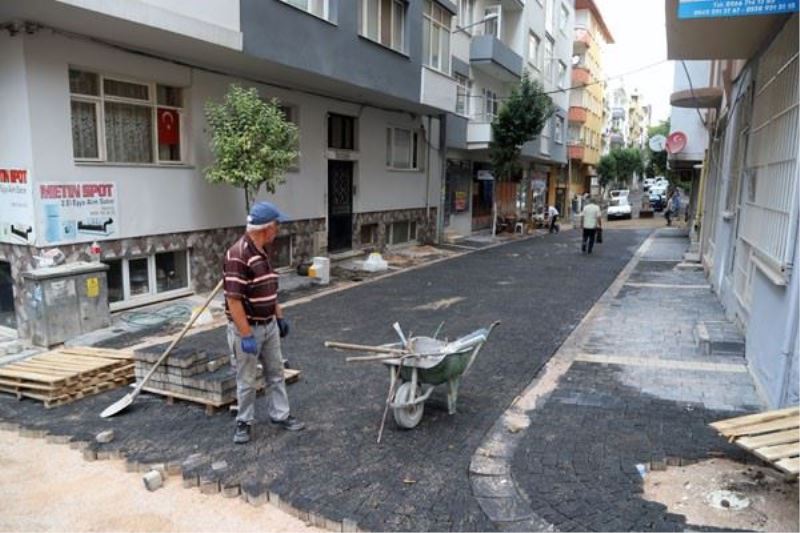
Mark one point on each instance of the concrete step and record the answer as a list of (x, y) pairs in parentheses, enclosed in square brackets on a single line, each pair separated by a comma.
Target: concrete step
[(719, 338)]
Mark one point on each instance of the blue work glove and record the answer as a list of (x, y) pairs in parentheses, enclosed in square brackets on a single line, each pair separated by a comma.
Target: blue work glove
[(283, 327), (249, 345)]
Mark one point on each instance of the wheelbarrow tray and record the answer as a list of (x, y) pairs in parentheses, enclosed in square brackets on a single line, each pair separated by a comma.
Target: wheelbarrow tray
[(450, 366)]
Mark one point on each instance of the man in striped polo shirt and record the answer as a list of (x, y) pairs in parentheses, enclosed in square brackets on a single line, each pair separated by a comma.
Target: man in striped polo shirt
[(255, 321)]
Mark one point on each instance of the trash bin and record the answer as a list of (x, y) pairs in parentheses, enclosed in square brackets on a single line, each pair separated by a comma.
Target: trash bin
[(64, 301)]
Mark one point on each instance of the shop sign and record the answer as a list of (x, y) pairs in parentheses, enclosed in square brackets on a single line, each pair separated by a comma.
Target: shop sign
[(16, 206), (77, 212), (698, 9)]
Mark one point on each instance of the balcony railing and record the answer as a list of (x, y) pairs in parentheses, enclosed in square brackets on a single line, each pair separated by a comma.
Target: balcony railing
[(581, 75), (576, 150), (577, 114)]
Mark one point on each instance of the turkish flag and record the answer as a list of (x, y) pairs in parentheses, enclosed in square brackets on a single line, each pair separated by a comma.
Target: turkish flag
[(168, 126)]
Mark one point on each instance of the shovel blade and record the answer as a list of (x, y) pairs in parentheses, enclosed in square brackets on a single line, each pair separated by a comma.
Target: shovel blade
[(117, 406)]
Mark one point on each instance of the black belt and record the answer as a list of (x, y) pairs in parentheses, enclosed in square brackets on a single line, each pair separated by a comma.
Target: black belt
[(260, 322)]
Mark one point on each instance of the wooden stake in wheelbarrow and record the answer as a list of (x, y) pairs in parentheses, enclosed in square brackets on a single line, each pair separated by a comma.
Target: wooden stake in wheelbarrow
[(128, 399)]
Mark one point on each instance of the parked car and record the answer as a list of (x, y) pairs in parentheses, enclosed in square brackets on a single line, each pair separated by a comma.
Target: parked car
[(647, 183), (657, 201), (619, 207), (617, 193)]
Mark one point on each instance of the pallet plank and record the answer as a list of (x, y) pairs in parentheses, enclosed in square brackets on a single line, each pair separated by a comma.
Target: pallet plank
[(780, 451), (765, 427), (791, 466), (756, 418)]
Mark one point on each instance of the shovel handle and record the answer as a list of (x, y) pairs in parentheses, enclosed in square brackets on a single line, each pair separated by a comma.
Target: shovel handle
[(364, 348), (177, 339)]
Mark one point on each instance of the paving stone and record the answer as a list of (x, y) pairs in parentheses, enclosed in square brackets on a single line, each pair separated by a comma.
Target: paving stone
[(493, 486), (512, 509)]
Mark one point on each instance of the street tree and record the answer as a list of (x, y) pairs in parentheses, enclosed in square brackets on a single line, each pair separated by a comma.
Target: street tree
[(520, 120), (629, 162), (252, 142), (607, 170)]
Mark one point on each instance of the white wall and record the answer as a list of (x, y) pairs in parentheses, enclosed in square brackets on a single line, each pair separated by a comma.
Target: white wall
[(215, 21), (161, 199), (15, 131), (685, 119)]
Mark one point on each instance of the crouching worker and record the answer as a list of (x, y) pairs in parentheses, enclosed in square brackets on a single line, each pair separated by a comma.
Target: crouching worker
[(255, 322)]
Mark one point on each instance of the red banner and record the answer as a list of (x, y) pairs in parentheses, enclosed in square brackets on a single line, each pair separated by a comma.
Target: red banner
[(168, 126)]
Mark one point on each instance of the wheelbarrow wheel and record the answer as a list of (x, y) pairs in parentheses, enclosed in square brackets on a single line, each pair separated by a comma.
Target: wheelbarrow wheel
[(408, 417)]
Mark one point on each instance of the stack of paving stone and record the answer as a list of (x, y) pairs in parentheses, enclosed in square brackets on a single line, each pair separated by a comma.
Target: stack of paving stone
[(189, 374)]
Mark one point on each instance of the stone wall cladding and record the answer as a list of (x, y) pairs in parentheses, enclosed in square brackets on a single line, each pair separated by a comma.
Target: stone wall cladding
[(207, 250), (426, 231)]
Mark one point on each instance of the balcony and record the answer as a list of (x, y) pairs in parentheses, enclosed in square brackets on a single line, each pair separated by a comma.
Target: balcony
[(581, 75), (513, 5), (578, 114), (479, 135), (582, 40), (438, 90), (576, 150), (491, 56)]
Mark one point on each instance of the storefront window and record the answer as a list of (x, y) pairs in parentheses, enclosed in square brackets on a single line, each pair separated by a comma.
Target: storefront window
[(171, 271)]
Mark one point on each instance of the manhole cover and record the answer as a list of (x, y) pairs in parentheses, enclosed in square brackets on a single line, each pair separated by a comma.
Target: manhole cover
[(727, 499)]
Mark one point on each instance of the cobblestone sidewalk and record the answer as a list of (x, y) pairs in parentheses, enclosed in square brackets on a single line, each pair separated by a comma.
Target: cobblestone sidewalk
[(630, 387)]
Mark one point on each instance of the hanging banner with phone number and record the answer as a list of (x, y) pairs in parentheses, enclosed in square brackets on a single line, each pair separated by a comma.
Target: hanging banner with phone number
[(697, 9)]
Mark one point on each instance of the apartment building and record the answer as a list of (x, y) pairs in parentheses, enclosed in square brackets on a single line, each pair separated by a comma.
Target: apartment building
[(104, 138), (749, 194), (639, 115), (616, 126), (586, 109), (493, 43)]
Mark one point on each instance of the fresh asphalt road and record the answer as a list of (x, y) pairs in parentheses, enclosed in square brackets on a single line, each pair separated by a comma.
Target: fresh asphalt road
[(415, 480)]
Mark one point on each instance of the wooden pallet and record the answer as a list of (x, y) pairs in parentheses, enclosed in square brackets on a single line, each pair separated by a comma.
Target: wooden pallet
[(66, 374), (773, 436), (212, 406)]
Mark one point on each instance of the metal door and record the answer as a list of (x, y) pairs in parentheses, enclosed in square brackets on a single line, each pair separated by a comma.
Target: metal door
[(340, 205)]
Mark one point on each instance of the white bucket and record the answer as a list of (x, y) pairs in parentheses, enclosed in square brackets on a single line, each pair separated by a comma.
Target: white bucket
[(321, 270)]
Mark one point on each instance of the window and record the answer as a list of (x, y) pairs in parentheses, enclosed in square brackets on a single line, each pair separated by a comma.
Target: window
[(290, 114), (341, 132), (402, 148), (563, 19), (544, 138), (402, 232), (549, 15), (493, 16), (466, 13), (368, 234), (548, 59), (463, 95), (534, 51), (491, 107), (562, 75), (151, 275), (141, 122), (558, 133), (317, 8), (384, 21), (436, 37)]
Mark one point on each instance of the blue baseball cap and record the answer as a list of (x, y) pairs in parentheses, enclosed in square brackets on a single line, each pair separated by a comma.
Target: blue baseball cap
[(264, 213)]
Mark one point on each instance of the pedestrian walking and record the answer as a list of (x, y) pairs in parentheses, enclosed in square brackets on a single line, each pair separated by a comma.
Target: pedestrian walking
[(553, 214), (591, 221), (255, 322), (673, 206)]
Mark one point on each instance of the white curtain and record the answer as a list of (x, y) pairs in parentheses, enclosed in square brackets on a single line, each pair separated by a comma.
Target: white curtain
[(129, 133)]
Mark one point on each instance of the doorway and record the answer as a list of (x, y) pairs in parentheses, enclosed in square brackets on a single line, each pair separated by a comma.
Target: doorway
[(340, 205)]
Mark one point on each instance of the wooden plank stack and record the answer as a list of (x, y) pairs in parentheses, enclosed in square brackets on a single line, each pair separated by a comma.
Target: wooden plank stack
[(190, 374), (67, 374), (773, 436)]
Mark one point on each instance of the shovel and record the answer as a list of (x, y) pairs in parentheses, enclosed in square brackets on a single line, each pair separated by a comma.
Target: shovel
[(128, 399)]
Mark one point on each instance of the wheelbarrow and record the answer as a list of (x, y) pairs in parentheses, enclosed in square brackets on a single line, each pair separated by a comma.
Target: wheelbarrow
[(417, 365)]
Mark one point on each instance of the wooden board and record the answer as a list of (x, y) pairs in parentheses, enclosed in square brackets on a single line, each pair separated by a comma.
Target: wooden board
[(773, 436)]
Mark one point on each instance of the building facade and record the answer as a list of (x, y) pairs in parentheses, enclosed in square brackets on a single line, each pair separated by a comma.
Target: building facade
[(493, 44), (747, 220), (104, 134), (586, 111)]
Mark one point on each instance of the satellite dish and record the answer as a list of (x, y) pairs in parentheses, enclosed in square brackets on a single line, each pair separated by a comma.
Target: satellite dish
[(657, 143), (576, 59), (676, 142)]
